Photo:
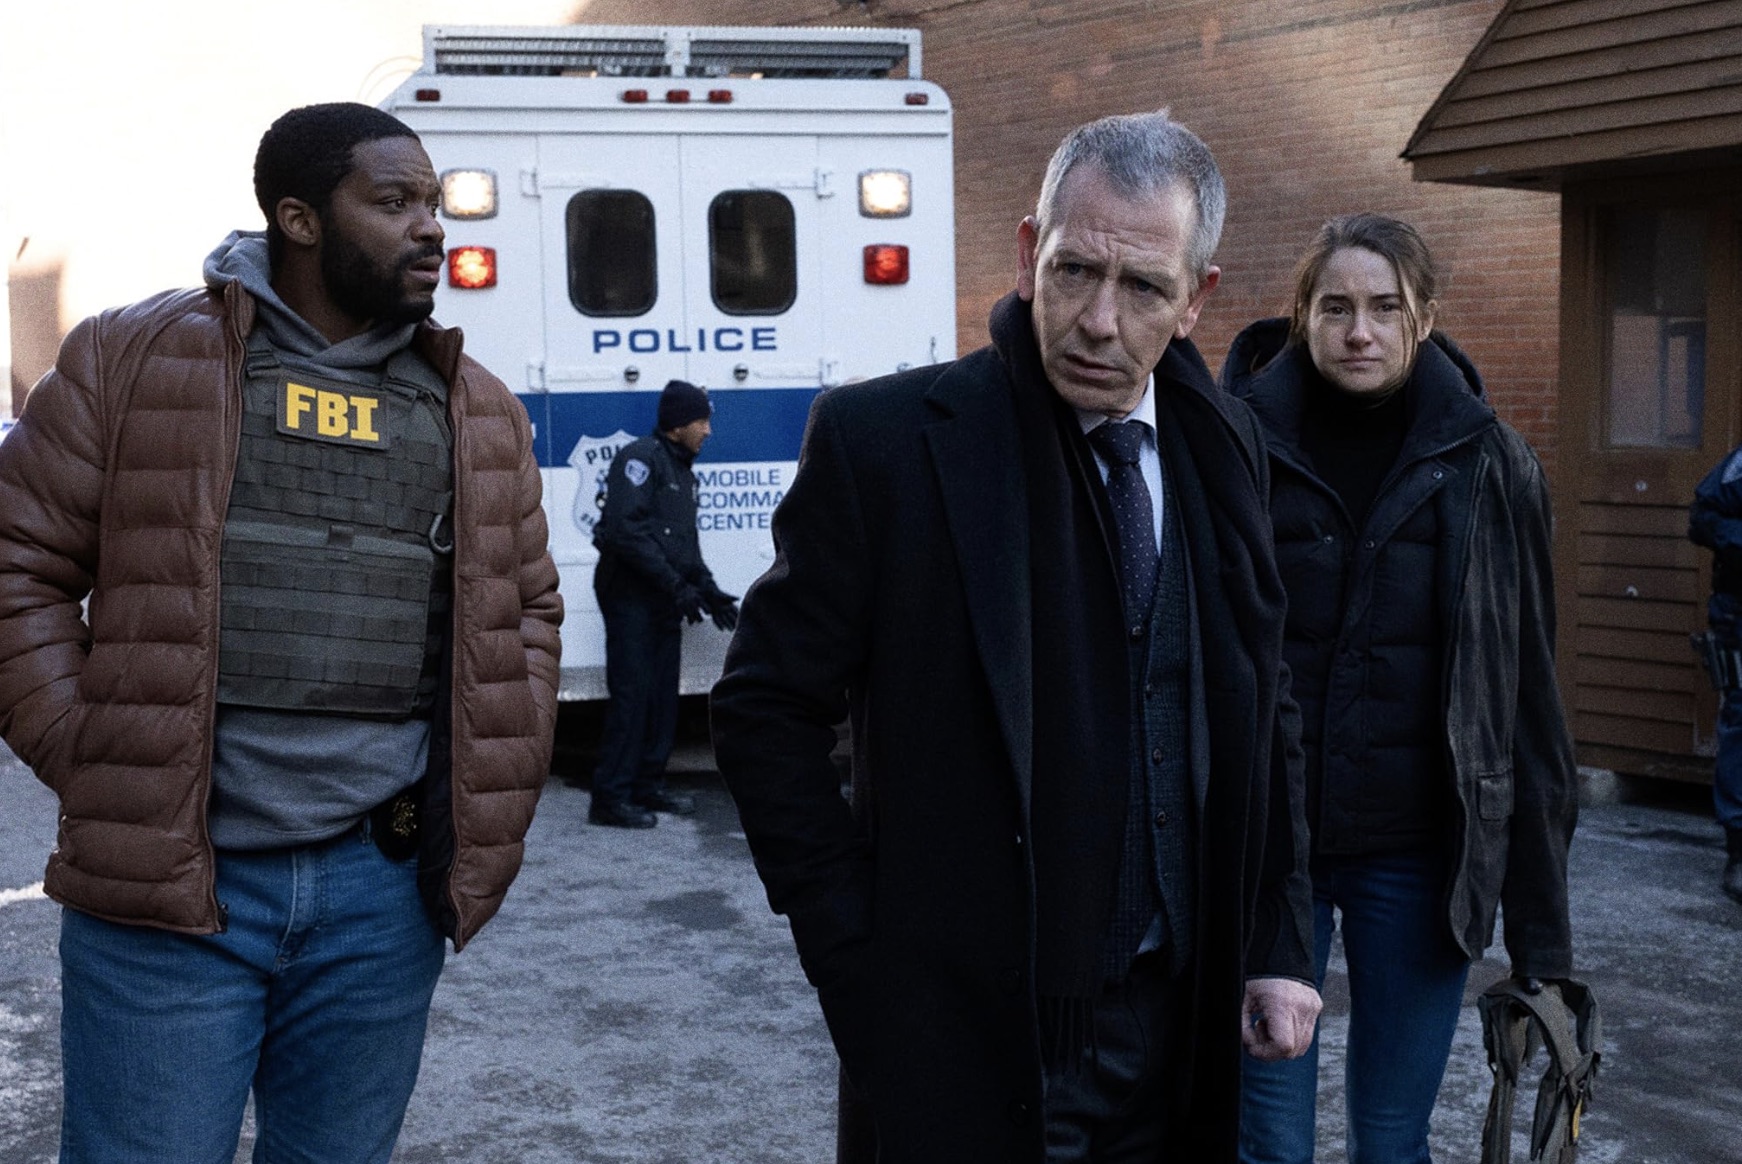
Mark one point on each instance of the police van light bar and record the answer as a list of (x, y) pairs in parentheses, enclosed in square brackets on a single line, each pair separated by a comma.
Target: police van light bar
[(469, 193), (885, 263), (472, 268), (885, 194)]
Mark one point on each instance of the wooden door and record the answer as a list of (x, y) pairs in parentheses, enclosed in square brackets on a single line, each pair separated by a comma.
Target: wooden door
[(1650, 387)]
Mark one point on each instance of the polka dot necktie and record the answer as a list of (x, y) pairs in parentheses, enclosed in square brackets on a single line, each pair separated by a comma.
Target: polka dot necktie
[(1119, 443)]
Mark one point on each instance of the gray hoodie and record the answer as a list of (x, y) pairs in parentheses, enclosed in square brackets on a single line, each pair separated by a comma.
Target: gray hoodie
[(291, 778)]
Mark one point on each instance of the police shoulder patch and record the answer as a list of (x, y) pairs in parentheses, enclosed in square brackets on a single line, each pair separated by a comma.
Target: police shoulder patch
[(637, 471)]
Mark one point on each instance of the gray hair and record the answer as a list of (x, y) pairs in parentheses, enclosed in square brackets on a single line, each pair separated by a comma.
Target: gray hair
[(1142, 154)]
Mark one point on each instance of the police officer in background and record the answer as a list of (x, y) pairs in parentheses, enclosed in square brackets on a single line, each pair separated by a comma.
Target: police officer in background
[(650, 575), (1715, 522)]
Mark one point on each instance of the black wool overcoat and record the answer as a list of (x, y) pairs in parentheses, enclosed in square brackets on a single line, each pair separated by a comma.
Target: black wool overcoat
[(900, 595)]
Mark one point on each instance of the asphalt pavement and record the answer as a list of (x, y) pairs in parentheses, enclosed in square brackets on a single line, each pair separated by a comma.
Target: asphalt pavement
[(636, 1003)]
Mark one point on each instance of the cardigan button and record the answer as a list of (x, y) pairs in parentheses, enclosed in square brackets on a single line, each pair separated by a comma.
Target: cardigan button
[(1161, 820), (1156, 755), (1018, 1112)]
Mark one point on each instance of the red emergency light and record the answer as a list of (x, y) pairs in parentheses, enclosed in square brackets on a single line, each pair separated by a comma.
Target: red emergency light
[(885, 263), (719, 96), (677, 96), (472, 268), (635, 96)]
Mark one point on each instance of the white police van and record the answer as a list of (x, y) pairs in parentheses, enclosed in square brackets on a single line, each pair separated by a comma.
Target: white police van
[(763, 211)]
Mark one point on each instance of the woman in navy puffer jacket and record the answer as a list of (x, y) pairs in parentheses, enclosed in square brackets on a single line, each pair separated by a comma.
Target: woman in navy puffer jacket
[(1412, 532)]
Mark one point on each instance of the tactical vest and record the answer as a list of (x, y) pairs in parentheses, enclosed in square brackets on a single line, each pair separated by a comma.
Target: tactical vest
[(336, 577)]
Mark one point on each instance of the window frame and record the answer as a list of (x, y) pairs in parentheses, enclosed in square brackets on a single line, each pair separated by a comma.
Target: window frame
[(791, 266), (572, 267)]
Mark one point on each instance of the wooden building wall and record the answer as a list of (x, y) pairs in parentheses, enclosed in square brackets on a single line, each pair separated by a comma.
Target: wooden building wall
[(1306, 103), (1558, 84), (1633, 109)]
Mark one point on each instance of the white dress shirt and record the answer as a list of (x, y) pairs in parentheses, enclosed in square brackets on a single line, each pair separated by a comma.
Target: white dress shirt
[(1148, 459)]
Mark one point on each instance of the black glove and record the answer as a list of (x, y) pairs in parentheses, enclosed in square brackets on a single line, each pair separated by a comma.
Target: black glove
[(689, 603), (723, 608)]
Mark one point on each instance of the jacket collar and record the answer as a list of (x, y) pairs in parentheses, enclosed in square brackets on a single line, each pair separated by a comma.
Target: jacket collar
[(1180, 370), (1447, 402), (977, 458)]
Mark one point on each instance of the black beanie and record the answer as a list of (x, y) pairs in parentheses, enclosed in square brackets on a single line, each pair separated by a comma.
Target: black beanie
[(680, 403)]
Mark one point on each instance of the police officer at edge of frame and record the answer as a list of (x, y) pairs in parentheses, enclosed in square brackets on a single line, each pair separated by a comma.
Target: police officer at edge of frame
[(317, 674), (1715, 521), (650, 575)]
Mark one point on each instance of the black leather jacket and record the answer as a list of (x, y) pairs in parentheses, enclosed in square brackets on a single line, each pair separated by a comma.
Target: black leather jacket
[(1513, 793)]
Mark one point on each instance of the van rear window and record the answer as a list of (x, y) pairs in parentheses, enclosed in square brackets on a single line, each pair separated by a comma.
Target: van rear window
[(612, 269), (753, 254)]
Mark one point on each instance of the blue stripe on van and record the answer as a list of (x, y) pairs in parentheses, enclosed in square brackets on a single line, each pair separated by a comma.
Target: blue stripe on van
[(750, 424)]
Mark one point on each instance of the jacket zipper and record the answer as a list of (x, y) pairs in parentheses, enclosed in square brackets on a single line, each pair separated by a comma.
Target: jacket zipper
[(232, 421)]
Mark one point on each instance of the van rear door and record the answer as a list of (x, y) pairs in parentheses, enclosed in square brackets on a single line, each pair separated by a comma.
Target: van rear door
[(614, 293), (755, 309), (750, 241)]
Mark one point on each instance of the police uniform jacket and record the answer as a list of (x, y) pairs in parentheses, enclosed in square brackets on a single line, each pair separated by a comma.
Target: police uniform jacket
[(1455, 554), (646, 535), (1715, 521), (900, 593), (115, 483)]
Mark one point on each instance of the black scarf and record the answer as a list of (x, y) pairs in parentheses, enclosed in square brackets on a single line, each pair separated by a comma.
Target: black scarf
[(1081, 665), (1081, 676)]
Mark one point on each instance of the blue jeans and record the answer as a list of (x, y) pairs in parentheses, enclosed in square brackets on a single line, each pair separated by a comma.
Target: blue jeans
[(1406, 985), (316, 995)]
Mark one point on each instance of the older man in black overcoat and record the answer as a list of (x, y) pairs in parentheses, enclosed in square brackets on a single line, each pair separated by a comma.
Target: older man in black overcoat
[(1070, 882)]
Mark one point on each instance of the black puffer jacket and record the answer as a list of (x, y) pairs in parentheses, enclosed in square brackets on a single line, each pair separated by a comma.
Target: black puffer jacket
[(1445, 595)]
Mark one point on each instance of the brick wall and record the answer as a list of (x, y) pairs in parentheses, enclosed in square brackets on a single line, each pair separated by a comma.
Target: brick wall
[(1306, 104)]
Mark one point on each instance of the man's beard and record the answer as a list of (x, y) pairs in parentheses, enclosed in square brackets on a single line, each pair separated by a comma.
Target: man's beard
[(362, 289)]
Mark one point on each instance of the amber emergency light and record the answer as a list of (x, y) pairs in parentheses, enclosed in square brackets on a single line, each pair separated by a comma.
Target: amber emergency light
[(885, 263), (472, 268)]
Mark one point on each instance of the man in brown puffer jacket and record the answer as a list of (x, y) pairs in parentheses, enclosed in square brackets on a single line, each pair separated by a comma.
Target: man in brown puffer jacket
[(299, 733)]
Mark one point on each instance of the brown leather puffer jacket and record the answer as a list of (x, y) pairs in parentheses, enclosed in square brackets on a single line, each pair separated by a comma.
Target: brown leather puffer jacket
[(115, 483)]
